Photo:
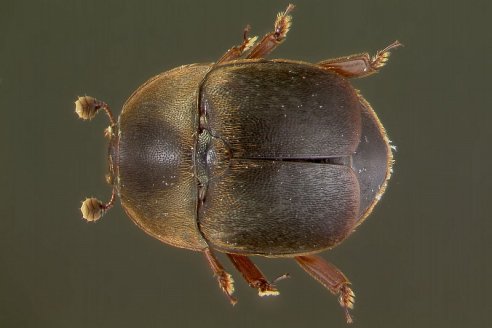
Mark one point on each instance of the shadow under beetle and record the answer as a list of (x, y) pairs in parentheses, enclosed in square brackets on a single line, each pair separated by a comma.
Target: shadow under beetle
[(250, 156)]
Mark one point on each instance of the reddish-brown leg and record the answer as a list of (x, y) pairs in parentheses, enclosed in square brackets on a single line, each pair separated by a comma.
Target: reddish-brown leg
[(226, 283), (273, 39), (253, 276), (359, 65), (237, 51), (330, 277)]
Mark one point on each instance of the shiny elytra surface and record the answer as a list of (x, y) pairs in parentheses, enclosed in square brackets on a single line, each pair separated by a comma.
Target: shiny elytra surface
[(271, 188)]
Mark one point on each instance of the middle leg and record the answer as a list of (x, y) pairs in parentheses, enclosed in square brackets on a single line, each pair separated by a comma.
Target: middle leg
[(253, 276), (273, 39)]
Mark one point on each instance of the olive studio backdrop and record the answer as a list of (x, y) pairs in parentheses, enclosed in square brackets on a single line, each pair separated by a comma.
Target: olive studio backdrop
[(423, 257)]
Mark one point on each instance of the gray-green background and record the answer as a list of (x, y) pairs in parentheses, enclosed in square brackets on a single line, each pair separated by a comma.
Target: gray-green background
[(423, 259)]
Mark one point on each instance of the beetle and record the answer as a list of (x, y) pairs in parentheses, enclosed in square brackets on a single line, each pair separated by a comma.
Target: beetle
[(248, 156)]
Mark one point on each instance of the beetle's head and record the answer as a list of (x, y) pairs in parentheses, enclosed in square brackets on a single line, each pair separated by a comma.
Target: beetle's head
[(86, 108), (112, 133)]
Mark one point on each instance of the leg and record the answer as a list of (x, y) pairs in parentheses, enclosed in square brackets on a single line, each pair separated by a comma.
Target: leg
[(359, 65), (273, 39), (225, 280), (237, 51), (330, 277), (253, 275)]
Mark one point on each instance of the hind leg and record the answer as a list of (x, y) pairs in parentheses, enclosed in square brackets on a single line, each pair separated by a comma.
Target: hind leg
[(359, 65), (330, 277)]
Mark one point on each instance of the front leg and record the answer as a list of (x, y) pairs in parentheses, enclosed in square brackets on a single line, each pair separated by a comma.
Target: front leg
[(237, 51), (226, 283), (359, 65), (330, 277)]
